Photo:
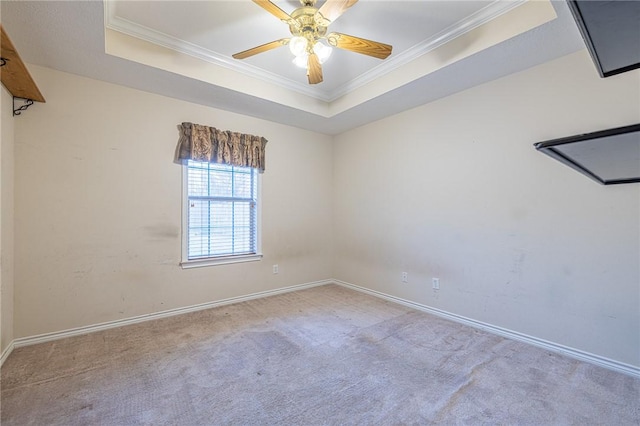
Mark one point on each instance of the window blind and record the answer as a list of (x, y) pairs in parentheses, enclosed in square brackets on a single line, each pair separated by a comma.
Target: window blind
[(222, 219)]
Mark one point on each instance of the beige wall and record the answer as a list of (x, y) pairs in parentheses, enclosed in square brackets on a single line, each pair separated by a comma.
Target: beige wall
[(455, 190), (6, 219), (98, 207)]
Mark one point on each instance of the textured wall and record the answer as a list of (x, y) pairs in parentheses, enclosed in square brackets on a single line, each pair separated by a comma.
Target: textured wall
[(455, 190), (98, 207)]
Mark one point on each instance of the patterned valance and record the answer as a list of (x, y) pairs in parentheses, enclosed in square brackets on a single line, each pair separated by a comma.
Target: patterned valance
[(203, 143)]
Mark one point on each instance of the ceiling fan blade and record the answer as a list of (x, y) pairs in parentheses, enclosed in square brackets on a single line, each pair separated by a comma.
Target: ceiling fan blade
[(314, 69), (262, 48), (360, 45), (332, 9), (274, 10)]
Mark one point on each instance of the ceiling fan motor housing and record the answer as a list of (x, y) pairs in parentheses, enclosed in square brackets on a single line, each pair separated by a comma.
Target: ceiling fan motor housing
[(308, 23)]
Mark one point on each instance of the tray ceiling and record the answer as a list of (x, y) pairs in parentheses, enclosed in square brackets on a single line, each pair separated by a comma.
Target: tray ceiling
[(188, 46)]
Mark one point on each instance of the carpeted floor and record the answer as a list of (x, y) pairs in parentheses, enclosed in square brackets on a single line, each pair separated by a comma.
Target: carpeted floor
[(326, 355)]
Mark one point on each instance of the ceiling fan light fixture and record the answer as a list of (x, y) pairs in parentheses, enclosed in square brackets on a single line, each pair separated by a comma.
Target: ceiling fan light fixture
[(298, 45), (308, 26), (322, 50)]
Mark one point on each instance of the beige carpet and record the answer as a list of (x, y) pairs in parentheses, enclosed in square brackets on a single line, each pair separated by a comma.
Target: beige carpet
[(326, 355)]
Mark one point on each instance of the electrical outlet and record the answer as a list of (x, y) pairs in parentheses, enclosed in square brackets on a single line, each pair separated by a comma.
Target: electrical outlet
[(405, 277), (435, 282), (275, 269)]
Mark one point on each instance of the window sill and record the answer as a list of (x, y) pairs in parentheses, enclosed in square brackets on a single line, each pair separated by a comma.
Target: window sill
[(212, 261)]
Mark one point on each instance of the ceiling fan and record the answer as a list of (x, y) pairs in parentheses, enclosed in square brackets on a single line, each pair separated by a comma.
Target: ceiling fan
[(308, 27)]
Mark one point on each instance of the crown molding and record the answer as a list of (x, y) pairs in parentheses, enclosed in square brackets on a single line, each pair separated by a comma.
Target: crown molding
[(116, 23), (475, 20)]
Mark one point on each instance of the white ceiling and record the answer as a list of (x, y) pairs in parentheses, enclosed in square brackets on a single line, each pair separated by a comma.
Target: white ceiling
[(218, 29), (183, 49)]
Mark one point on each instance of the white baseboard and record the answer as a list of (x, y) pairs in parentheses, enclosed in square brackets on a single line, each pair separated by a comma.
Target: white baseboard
[(7, 351), (41, 338), (553, 347)]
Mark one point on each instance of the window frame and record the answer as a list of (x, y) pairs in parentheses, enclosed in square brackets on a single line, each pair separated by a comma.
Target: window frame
[(217, 260)]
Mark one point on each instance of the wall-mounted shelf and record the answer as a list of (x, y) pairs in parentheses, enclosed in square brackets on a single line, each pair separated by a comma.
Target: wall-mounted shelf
[(15, 76)]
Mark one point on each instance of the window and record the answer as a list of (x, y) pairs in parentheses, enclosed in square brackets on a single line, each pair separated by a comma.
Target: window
[(220, 214)]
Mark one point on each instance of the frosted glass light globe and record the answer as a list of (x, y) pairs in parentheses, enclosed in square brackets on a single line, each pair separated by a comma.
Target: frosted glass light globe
[(298, 45), (322, 50), (301, 60)]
